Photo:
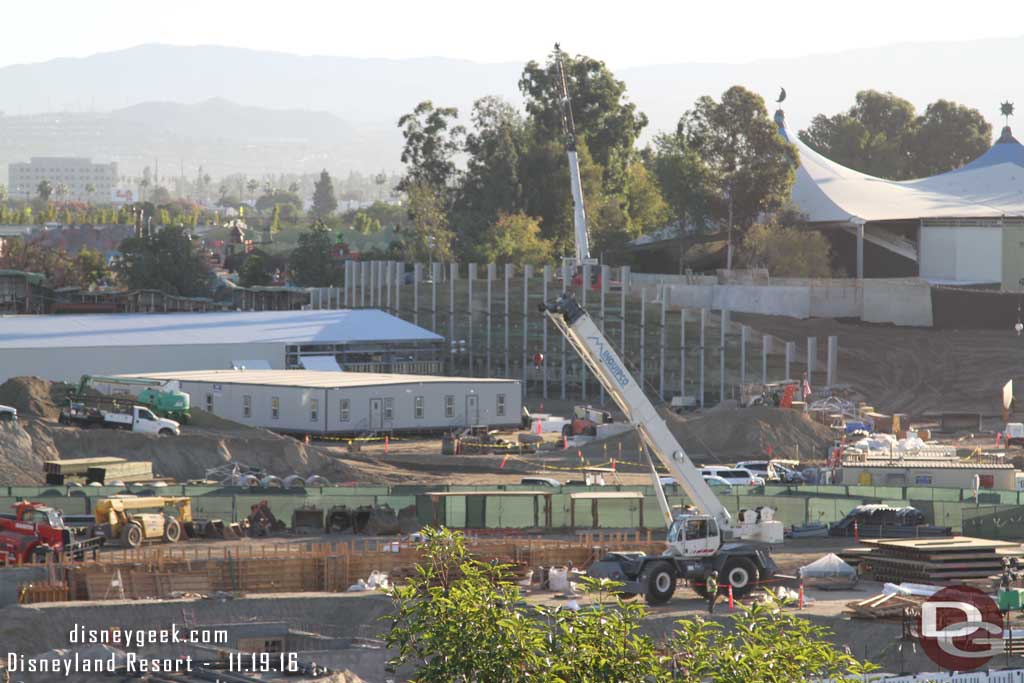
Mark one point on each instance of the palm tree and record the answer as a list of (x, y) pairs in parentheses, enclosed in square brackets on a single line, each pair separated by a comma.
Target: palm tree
[(90, 190), (252, 186), (45, 189)]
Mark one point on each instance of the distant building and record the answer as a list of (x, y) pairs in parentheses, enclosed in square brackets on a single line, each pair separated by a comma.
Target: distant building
[(76, 173)]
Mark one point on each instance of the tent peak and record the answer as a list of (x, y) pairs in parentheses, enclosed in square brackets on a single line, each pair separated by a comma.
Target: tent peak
[(1006, 137)]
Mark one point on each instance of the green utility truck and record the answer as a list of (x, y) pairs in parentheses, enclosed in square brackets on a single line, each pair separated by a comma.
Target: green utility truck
[(164, 398)]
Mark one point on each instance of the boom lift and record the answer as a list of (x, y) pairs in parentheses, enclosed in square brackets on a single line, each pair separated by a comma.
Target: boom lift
[(165, 398)]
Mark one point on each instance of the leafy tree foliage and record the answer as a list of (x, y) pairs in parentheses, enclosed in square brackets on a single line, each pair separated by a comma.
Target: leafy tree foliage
[(256, 270), (269, 200), (431, 142), (166, 260), (429, 238), (45, 190), (84, 269), (324, 202), (365, 224), (516, 239), (785, 250), (882, 135), (459, 619), (312, 263), (746, 158), (608, 121)]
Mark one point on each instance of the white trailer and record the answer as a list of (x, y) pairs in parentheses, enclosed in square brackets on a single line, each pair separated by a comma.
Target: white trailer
[(312, 402)]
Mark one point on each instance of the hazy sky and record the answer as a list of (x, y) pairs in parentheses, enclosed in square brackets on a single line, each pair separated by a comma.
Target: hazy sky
[(622, 33)]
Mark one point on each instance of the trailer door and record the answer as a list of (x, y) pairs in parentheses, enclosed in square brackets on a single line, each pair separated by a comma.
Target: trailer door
[(472, 410), (376, 413)]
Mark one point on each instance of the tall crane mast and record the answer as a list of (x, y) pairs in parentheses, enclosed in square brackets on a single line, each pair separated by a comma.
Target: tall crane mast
[(579, 214)]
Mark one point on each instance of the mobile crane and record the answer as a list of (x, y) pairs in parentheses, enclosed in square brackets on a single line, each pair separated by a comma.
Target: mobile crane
[(700, 539)]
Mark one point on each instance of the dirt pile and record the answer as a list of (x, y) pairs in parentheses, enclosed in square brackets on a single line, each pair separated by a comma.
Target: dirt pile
[(726, 435), (34, 397)]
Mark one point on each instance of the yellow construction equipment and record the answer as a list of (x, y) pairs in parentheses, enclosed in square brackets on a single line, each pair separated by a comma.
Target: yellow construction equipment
[(134, 519)]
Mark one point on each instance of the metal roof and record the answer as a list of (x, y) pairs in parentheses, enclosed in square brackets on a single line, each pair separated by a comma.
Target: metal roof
[(228, 327), (927, 464), (312, 379), (607, 495)]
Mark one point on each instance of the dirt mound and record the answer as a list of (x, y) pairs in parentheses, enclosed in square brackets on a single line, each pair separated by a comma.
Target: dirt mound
[(20, 460), (34, 397), (725, 434), (200, 419)]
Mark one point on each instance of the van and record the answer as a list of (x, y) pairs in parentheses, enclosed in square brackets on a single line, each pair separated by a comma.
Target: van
[(733, 475), (543, 482)]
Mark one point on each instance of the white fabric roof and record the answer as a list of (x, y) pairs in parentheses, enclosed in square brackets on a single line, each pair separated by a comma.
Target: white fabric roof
[(308, 378), (162, 329), (829, 192)]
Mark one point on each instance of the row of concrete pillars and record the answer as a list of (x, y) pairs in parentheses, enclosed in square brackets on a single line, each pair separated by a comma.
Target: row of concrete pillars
[(383, 284)]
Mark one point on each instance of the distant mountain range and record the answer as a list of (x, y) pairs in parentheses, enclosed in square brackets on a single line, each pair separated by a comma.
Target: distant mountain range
[(241, 110)]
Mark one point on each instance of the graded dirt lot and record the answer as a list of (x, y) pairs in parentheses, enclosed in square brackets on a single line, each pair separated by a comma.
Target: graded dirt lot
[(913, 370)]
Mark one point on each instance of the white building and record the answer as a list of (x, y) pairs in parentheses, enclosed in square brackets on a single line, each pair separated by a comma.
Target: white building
[(314, 402), (65, 347), (77, 173)]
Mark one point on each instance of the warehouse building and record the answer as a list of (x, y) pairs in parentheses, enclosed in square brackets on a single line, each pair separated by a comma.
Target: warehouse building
[(64, 347), (313, 402)]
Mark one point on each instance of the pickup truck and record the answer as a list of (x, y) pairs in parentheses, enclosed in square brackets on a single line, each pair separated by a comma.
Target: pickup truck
[(139, 419)]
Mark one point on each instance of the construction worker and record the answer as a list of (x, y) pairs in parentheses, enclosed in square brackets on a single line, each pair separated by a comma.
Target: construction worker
[(711, 588)]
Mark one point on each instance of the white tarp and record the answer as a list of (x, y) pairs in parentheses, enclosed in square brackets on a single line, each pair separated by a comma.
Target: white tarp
[(320, 363), (250, 365), (829, 566)]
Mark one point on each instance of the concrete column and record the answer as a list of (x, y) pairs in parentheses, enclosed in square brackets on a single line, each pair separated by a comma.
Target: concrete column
[(417, 275), (509, 270), (812, 358), (527, 274), (470, 279), (766, 348), (661, 344), (724, 324), (860, 249), (682, 352), (544, 368), (643, 338), (435, 275), (833, 359), (492, 272), (744, 331), (790, 353), (453, 275), (703, 323)]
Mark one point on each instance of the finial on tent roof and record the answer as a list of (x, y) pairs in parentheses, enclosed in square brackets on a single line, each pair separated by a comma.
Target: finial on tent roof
[(1006, 109), (780, 118)]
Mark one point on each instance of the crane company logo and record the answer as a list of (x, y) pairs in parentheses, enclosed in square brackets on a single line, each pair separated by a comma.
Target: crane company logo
[(607, 358), (960, 628)]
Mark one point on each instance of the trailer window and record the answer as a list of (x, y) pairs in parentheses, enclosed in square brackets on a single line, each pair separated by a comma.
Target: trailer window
[(449, 406), (275, 407), (209, 403), (418, 407), (501, 405), (314, 410), (389, 409), (247, 406), (343, 410)]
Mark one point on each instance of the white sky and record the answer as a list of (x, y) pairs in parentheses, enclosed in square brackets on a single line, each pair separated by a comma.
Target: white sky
[(623, 33)]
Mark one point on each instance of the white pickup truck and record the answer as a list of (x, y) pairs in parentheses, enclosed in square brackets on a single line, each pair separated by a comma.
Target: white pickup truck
[(140, 419)]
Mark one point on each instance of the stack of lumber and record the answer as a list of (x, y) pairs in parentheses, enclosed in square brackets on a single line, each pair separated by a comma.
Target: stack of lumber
[(104, 469), (937, 561), (883, 606)]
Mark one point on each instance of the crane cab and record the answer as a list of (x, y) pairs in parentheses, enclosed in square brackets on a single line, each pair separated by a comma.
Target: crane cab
[(694, 535)]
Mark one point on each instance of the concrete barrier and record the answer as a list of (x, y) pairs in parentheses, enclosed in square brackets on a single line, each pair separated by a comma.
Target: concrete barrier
[(900, 302)]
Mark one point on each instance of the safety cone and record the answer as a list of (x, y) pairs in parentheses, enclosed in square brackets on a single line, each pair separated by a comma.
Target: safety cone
[(731, 603), (307, 438), (565, 442), (386, 442), (503, 461), (538, 427)]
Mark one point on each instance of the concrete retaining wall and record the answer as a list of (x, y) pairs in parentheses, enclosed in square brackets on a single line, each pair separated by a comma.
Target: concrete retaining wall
[(897, 301)]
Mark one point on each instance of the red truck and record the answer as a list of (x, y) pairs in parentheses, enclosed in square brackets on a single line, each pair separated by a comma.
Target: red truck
[(36, 532)]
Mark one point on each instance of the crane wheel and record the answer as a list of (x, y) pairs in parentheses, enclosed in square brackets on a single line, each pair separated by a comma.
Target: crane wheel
[(660, 581), (172, 530), (166, 432), (132, 535), (741, 574)]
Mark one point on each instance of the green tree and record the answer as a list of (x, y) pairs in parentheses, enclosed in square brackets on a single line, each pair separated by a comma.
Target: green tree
[(515, 238), (167, 260), (429, 238), (255, 270), (947, 136), (3, 193), (786, 250), (324, 202), (751, 166), (161, 195), (90, 190), (269, 200), (252, 186), (312, 264), (45, 190), (275, 220), (90, 267), (608, 121), (431, 143), (365, 224)]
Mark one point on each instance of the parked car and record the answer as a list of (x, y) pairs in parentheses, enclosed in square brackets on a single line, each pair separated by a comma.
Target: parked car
[(542, 482), (772, 470), (734, 475), (716, 483)]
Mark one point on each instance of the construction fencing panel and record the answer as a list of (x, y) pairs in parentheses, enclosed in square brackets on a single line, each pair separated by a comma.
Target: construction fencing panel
[(517, 512), (1000, 522)]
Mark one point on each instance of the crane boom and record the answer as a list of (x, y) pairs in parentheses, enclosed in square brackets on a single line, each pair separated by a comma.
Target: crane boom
[(585, 336), (579, 214)]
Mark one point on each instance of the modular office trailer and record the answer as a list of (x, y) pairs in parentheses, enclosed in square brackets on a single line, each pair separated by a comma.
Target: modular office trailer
[(313, 402)]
